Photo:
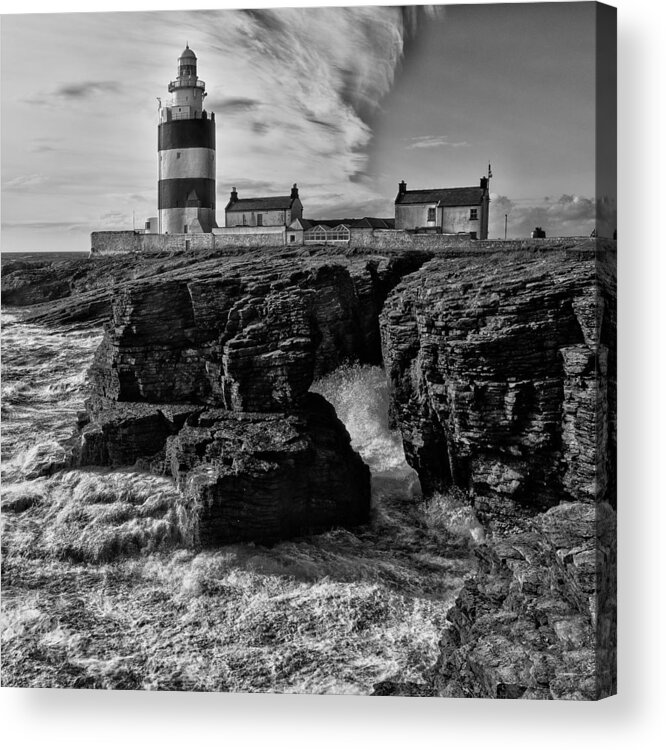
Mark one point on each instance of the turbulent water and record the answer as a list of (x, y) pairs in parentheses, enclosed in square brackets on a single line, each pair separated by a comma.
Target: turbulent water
[(98, 591), (43, 383)]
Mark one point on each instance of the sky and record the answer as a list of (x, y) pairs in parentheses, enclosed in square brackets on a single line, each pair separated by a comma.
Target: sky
[(346, 102)]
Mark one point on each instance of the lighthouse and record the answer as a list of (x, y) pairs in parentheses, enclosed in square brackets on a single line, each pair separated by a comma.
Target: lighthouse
[(186, 155)]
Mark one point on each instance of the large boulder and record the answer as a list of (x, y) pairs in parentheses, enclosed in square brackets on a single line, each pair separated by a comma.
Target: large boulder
[(263, 477)]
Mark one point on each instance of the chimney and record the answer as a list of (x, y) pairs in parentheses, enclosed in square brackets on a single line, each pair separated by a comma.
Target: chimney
[(402, 187), (234, 195), (294, 192)]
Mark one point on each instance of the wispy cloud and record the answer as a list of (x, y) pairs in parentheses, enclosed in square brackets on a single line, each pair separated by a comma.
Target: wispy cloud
[(25, 182), (434, 141), (74, 92), (232, 105), (70, 226), (301, 84), (44, 145)]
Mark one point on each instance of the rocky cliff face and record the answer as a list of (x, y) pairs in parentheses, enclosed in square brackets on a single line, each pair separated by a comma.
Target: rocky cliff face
[(499, 370), (205, 375), (503, 380)]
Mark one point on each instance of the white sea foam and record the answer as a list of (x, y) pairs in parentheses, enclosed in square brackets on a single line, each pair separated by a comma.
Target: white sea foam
[(360, 396)]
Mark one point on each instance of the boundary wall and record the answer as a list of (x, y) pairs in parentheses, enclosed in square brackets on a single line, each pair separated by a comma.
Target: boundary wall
[(116, 243)]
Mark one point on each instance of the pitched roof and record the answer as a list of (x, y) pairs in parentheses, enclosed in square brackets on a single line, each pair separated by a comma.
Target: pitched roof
[(462, 196), (274, 203), (367, 222)]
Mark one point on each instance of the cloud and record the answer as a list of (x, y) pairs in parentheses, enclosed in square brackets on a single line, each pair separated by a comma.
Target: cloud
[(43, 145), (434, 141), (570, 215), (231, 105), (25, 183), (85, 89), (74, 92), (254, 187), (70, 226), (316, 76)]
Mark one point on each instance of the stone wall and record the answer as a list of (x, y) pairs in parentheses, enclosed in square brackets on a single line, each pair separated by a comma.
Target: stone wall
[(114, 243)]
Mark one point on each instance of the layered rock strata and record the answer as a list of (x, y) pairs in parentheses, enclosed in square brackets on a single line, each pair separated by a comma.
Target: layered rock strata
[(206, 377), (499, 369), (243, 476), (503, 384)]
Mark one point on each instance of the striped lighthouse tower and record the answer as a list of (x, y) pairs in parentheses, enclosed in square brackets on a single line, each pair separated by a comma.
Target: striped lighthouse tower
[(186, 146)]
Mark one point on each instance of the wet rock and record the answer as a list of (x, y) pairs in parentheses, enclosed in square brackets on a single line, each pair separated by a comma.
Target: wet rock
[(502, 374), (248, 341), (403, 689), (205, 373), (529, 624), (264, 477), (503, 385)]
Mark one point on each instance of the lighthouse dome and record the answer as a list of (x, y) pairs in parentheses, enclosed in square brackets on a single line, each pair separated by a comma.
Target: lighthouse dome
[(187, 52)]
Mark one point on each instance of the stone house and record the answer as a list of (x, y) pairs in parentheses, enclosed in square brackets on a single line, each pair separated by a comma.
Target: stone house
[(273, 211), (462, 210)]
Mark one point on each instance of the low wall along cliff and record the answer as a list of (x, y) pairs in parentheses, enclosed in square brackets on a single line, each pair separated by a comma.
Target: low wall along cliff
[(114, 243)]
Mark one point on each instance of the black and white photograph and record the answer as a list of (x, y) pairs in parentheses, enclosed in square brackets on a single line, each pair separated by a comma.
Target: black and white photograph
[(309, 364)]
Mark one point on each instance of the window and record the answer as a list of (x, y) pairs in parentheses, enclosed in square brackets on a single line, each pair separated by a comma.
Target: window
[(292, 238), (473, 214), (431, 214), (177, 154), (244, 220), (339, 234), (185, 229), (260, 220), (321, 234)]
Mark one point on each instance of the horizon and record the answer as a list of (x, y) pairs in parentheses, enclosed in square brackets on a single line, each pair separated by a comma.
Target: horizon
[(346, 118)]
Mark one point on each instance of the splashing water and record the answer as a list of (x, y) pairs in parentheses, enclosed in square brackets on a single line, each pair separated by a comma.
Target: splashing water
[(360, 396), (43, 386), (93, 552)]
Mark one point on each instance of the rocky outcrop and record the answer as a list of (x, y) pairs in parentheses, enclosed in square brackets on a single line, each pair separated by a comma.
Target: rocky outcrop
[(500, 378), (535, 620), (205, 374), (260, 477), (250, 339), (244, 477), (503, 384)]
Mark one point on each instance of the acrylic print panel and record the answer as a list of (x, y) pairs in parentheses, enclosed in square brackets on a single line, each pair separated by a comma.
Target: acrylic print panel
[(309, 351)]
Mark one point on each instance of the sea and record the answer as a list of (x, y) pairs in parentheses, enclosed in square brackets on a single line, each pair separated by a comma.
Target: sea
[(99, 591)]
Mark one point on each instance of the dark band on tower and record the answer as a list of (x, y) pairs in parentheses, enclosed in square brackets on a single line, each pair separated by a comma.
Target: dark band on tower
[(186, 152)]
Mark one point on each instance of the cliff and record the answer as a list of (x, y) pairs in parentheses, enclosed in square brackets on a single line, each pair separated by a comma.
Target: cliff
[(502, 375), (204, 374), (503, 379)]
